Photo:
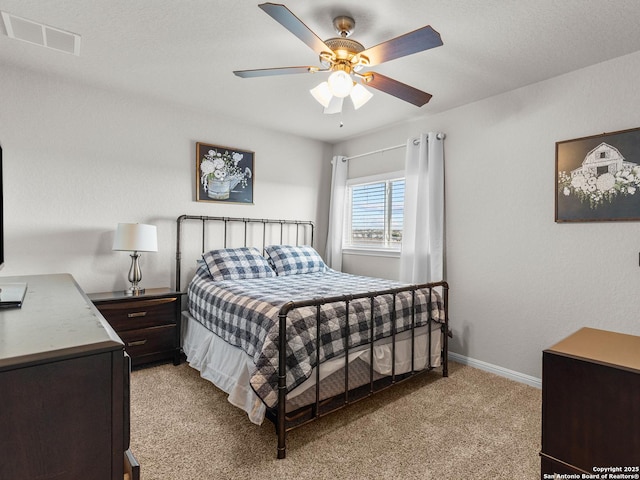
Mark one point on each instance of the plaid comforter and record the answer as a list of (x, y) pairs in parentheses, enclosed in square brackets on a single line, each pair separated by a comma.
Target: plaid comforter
[(245, 313)]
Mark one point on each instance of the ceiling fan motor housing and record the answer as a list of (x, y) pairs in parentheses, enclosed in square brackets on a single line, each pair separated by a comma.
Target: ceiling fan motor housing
[(344, 47), (345, 53)]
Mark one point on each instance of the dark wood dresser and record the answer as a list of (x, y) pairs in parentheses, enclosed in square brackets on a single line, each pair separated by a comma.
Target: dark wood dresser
[(148, 323), (64, 387), (591, 404)]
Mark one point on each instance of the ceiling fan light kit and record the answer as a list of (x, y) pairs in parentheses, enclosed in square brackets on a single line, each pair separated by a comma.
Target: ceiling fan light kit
[(328, 98), (346, 58)]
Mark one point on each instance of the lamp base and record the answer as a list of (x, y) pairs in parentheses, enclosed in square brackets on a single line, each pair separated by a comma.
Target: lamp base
[(135, 275), (134, 291)]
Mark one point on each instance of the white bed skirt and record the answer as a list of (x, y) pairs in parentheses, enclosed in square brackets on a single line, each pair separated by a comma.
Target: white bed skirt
[(228, 367)]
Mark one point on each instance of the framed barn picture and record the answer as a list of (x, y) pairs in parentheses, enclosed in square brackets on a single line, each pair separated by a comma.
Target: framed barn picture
[(598, 178), (224, 174)]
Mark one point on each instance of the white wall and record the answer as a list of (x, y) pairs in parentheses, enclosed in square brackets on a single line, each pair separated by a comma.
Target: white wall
[(78, 160), (519, 281)]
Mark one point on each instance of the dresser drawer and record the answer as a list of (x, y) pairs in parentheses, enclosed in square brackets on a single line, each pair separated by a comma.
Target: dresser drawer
[(146, 341), (139, 314)]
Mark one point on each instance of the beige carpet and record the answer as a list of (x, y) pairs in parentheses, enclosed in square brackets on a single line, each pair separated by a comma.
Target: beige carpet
[(471, 425)]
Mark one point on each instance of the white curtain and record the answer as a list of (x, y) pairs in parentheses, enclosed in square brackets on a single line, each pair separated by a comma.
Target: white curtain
[(333, 254), (422, 257)]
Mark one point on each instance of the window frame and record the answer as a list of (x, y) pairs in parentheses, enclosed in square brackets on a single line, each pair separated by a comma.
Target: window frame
[(377, 250)]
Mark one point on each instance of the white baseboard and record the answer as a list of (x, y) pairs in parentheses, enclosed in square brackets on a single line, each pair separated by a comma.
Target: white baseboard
[(503, 372)]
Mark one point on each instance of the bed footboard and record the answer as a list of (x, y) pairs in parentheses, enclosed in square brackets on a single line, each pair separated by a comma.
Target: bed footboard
[(320, 408)]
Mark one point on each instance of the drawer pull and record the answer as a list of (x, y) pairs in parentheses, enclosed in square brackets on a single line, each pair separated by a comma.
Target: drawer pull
[(136, 314), (136, 343)]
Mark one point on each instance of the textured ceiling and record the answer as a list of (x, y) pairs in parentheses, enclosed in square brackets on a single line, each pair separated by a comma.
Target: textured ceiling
[(185, 52)]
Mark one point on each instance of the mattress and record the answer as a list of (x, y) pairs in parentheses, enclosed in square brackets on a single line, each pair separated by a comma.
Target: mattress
[(245, 315), (229, 367)]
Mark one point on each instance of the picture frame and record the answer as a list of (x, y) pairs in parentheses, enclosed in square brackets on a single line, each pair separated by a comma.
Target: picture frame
[(598, 178), (224, 174)]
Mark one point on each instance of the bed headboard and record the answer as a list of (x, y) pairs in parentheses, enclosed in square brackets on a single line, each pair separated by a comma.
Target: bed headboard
[(197, 235)]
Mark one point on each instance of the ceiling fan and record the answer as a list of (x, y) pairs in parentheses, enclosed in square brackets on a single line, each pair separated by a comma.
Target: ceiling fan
[(347, 61)]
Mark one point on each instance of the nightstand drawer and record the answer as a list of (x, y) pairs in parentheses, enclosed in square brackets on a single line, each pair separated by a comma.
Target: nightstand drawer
[(140, 314), (149, 340)]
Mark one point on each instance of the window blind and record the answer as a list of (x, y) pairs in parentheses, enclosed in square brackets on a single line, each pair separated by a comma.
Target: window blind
[(376, 214)]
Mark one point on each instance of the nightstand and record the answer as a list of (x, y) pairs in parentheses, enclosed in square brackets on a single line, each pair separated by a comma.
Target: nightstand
[(148, 323)]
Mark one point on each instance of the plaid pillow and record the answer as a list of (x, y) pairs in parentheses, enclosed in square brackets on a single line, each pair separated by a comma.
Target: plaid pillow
[(290, 260), (237, 264)]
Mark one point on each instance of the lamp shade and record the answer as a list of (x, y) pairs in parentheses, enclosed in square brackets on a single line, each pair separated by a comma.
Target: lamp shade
[(136, 237), (335, 105), (360, 96), (322, 94)]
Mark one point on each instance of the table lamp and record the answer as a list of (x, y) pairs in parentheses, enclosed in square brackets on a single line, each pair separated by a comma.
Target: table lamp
[(135, 237)]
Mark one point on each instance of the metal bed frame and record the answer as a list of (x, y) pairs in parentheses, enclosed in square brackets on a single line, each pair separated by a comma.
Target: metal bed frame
[(283, 421)]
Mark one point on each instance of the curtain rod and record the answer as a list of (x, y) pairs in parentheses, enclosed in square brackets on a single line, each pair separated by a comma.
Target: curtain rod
[(416, 141)]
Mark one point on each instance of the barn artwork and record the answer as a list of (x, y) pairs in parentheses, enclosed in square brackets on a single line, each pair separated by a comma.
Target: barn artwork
[(598, 178)]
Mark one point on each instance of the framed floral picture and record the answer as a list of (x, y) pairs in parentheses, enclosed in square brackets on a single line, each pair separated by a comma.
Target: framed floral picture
[(224, 174), (598, 178)]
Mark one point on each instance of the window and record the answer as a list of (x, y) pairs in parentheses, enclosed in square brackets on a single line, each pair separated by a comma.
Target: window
[(374, 212)]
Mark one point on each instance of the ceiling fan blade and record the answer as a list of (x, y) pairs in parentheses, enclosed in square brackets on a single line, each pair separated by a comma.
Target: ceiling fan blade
[(417, 41), (267, 72), (396, 88), (288, 20)]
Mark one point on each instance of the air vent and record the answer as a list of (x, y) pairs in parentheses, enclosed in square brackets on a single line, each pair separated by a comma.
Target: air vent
[(40, 34)]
